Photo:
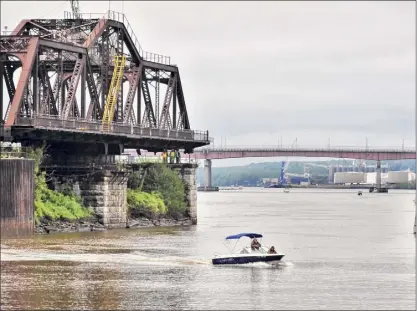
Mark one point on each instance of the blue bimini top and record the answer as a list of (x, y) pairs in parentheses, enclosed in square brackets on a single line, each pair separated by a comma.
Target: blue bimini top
[(249, 235)]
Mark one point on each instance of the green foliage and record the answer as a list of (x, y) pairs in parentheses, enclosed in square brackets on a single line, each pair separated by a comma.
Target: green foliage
[(162, 179), (160, 185), (134, 181), (36, 154), (50, 204), (145, 204)]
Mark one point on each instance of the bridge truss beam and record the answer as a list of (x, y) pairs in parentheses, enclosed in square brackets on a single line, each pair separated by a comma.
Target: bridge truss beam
[(65, 67)]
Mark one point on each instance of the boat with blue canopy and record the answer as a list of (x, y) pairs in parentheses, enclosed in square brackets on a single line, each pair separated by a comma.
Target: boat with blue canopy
[(255, 252), (249, 235)]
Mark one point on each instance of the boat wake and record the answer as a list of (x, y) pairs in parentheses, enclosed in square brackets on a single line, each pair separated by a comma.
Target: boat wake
[(129, 258), (258, 265), (135, 258)]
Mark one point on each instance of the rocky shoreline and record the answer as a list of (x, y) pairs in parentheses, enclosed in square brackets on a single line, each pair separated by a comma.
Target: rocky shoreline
[(92, 224)]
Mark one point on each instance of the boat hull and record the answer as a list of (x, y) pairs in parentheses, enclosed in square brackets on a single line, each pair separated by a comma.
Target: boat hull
[(232, 260)]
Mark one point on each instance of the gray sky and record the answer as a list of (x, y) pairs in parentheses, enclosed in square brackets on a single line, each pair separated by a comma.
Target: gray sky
[(257, 71)]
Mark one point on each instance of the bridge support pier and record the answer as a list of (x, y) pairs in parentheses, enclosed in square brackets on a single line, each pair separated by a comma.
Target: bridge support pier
[(378, 176), (415, 213), (207, 173), (97, 180)]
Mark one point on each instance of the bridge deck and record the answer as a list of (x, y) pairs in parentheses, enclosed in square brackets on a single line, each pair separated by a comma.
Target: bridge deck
[(342, 153), (50, 128)]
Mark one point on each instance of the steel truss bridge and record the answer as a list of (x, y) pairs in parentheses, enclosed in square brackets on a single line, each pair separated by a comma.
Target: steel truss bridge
[(66, 68)]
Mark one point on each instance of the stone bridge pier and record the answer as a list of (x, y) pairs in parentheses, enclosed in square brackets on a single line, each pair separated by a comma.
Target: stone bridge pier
[(94, 177)]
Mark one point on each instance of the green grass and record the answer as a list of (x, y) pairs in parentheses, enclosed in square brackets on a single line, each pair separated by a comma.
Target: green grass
[(145, 204), (52, 205)]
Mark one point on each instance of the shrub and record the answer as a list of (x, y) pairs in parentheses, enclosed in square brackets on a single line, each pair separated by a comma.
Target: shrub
[(165, 181), (145, 204), (50, 204)]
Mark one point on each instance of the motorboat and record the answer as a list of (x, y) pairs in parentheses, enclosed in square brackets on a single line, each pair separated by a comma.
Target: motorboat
[(247, 254)]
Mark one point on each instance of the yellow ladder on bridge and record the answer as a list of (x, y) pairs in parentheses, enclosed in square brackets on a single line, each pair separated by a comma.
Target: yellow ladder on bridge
[(119, 65)]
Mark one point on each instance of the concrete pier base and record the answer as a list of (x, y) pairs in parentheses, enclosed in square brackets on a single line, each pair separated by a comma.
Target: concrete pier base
[(98, 181), (207, 173), (207, 189), (415, 214), (106, 193), (378, 176)]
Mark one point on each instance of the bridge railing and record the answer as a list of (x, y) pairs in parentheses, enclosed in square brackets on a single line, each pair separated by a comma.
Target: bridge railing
[(306, 149), (152, 57), (74, 124)]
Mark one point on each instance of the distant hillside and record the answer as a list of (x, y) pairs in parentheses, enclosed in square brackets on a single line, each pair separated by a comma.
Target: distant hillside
[(251, 174)]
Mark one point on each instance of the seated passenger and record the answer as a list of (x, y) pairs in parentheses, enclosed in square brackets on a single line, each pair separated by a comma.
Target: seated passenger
[(255, 244), (272, 250)]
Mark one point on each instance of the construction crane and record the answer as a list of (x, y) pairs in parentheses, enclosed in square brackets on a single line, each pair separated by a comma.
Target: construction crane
[(75, 6)]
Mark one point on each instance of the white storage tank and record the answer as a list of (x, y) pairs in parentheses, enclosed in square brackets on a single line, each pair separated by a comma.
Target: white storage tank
[(370, 178), (349, 177), (398, 177)]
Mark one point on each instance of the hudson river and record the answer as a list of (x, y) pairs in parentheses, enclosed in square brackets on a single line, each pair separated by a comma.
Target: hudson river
[(342, 251)]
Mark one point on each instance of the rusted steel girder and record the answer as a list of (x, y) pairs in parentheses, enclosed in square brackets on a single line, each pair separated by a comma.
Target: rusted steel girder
[(88, 59)]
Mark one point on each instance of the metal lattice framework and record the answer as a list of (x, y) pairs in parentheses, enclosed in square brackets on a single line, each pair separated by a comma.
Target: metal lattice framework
[(66, 67)]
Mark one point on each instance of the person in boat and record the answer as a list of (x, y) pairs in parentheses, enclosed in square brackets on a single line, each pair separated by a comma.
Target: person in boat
[(255, 245), (272, 250)]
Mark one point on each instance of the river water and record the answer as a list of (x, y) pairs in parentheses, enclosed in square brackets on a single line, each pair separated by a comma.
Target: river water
[(343, 251)]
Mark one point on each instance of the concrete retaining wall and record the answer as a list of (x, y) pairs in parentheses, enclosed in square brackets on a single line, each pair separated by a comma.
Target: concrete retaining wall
[(17, 186)]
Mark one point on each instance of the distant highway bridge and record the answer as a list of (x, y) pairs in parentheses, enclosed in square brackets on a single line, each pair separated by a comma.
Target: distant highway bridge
[(376, 154)]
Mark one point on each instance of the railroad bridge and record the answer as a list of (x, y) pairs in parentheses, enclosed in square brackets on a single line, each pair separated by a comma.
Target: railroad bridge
[(85, 86)]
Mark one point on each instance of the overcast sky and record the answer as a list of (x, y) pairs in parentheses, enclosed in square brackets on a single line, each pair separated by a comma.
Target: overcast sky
[(254, 72)]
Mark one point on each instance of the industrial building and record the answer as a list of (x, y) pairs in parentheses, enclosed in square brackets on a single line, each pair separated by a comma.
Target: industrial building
[(349, 178), (354, 168), (394, 177)]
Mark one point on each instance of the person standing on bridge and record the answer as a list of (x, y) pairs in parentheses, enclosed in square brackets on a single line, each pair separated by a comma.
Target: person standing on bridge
[(164, 156), (178, 156), (172, 157)]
